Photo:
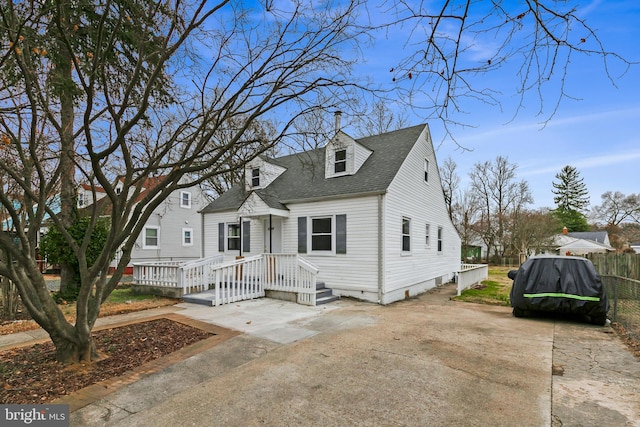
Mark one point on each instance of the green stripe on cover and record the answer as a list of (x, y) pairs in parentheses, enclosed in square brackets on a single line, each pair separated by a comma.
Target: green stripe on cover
[(560, 295)]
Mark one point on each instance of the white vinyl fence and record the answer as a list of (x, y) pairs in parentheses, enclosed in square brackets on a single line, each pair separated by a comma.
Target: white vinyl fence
[(471, 274)]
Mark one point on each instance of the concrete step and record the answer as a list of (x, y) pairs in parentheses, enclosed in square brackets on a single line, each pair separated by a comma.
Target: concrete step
[(327, 300), (324, 295), (325, 292), (202, 298)]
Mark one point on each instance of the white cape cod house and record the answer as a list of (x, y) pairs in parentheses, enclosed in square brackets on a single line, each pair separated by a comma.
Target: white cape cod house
[(368, 216)]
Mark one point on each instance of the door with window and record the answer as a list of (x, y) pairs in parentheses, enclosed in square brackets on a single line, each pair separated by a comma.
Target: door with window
[(273, 235)]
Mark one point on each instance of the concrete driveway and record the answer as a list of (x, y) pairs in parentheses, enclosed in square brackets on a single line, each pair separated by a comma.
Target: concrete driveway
[(427, 361)]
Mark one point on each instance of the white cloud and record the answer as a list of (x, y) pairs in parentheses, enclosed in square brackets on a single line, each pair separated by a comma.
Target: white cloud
[(593, 161)]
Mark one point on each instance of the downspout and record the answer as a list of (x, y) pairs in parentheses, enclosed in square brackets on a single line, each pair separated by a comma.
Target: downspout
[(240, 243), (201, 235), (270, 235), (380, 250)]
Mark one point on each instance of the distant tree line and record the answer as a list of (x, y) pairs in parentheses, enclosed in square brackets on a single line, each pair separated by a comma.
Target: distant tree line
[(494, 210)]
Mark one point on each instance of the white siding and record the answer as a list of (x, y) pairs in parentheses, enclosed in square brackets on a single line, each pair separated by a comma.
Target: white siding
[(211, 222), (361, 156), (356, 155), (172, 219), (423, 202), (356, 272), (268, 172)]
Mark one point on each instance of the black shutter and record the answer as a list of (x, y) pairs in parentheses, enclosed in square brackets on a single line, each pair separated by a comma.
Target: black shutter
[(302, 234), (221, 237), (341, 234), (246, 236)]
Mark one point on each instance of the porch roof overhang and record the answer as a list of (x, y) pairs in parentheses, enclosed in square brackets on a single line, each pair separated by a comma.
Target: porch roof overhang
[(256, 206), (262, 213)]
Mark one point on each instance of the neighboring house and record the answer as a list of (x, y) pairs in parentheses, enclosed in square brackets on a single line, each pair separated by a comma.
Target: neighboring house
[(172, 232), (582, 243), (636, 247), (368, 213)]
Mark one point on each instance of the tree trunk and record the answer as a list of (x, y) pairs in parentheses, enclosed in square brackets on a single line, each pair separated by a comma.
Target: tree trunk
[(9, 295), (68, 212), (10, 298), (69, 351)]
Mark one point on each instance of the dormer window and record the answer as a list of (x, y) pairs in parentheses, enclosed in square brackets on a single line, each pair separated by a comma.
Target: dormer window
[(255, 177), (340, 163)]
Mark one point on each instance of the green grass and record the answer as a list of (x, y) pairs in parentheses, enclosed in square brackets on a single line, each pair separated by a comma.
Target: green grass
[(495, 290), (121, 296)]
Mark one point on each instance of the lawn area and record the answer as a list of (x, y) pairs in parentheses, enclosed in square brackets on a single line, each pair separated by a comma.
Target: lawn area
[(495, 290), (120, 301)]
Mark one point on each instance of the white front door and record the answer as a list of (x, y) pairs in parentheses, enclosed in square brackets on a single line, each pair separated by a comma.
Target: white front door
[(273, 235)]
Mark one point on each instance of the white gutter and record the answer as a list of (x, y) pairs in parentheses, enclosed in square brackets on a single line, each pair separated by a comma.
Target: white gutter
[(380, 248)]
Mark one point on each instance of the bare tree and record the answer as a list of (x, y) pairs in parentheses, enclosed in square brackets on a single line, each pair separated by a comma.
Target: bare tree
[(500, 195), (617, 208), (154, 86), (531, 231), (379, 118), (258, 136), (450, 182), (461, 41), (466, 212)]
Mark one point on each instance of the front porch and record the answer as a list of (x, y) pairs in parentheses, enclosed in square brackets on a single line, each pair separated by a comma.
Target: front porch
[(214, 282)]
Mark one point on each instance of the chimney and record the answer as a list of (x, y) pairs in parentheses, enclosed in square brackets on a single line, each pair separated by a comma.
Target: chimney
[(338, 116), (565, 231)]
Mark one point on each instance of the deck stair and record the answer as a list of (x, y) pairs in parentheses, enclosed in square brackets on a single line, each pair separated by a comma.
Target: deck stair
[(324, 295)]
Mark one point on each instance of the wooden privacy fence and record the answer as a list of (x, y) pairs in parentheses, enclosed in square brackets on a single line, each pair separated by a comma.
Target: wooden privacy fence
[(622, 265)]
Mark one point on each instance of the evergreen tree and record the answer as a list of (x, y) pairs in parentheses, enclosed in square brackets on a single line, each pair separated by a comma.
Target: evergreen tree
[(571, 199)]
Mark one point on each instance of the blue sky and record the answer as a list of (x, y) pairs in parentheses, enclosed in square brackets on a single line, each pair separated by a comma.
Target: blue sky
[(598, 132)]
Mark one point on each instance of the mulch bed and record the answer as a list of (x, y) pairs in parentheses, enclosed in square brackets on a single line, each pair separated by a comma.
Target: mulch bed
[(31, 375)]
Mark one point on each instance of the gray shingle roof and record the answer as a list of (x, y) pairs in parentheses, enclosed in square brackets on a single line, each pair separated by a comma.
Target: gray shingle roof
[(304, 176), (596, 236)]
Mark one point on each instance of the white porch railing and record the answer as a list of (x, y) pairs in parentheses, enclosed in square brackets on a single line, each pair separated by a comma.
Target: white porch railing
[(169, 273), (471, 274), (246, 278), (291, 273)]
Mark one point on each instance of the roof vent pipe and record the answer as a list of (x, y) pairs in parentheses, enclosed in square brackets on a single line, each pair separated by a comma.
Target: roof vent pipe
[(338, 116)]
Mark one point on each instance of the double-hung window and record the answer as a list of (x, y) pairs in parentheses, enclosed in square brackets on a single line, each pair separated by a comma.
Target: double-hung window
[(322, 234), (340, 163), (255, 177), (406, 234), (233, 237), (81, 200), (151, 236), (426, 236), (185, 199), (439, 239), (187, 237)]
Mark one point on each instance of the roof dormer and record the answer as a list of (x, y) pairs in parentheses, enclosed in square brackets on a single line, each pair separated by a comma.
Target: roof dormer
[(259, 173), (344, 156)]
